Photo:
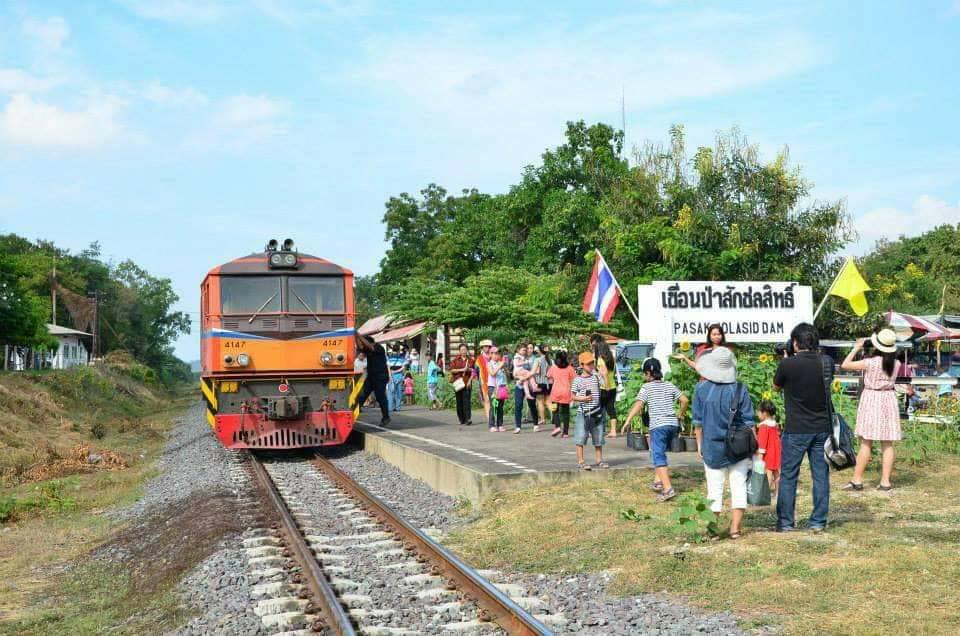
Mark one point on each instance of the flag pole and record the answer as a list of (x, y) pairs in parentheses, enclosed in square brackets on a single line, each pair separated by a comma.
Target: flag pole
[(829, 289), (619, 288)]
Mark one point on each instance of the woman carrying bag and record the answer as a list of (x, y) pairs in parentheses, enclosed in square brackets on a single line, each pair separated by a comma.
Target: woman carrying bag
[(878, 415), (461, 377)]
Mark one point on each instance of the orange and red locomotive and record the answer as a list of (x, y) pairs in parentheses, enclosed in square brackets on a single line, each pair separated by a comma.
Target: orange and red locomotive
[(277, 350)]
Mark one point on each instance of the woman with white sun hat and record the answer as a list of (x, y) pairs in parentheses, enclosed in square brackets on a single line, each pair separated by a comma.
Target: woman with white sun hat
[(878, 414)]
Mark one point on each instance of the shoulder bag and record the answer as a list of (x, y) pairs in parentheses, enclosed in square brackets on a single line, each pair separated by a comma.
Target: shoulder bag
[(838, 448), (741, 441)]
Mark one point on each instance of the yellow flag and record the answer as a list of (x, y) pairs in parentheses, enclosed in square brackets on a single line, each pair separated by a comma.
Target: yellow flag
[(850, 285)]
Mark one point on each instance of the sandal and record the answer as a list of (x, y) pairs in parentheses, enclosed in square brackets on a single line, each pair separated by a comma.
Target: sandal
[(734, 536), (584, 466), (852, 486), (666, 495), (885, 488), (657, 487), (599, 465)]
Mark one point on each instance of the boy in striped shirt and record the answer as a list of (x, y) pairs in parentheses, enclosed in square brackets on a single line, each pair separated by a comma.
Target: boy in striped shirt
[(585, 391), (660, 398)]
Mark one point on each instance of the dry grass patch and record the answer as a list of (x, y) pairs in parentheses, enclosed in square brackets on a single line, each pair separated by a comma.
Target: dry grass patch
[(47, 584), (889, 562)]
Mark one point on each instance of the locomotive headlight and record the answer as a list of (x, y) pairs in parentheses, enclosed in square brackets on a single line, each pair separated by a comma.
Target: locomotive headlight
[(290, 259), (228, 359), (341, 358), (243, 359), (276, 259), (326, 358)]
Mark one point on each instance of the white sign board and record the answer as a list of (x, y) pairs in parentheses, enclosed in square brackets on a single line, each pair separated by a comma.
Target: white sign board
[(749, 311)]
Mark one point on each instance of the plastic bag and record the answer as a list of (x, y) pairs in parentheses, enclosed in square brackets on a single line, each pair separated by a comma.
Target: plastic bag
[(758, 488)]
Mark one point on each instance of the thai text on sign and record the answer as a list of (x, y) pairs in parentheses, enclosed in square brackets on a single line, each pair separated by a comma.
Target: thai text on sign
[(749, 311)]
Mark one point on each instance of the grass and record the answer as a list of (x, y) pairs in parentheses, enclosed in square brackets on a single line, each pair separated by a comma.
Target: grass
[(888, 563), (47, 583)]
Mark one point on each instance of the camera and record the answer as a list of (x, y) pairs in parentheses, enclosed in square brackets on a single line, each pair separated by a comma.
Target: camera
[(784, 349)]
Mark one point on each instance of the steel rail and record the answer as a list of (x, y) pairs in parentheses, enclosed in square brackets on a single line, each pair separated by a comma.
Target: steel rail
[(495, 605), (336, 618)]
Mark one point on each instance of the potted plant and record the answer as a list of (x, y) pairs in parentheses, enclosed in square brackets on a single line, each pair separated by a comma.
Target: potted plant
[(636, 438)]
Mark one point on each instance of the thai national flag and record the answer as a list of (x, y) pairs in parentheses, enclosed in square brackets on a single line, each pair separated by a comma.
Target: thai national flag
[(601, 298)]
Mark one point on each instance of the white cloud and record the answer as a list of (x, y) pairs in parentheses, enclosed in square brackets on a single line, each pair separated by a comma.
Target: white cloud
[(240, 121), (185, 11), (487, 81), (292, 13), (163, 95), (926, 213), (49, 34), (27, 122), (14, 80)]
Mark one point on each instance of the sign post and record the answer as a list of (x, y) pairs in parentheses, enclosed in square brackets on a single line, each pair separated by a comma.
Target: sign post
[(749, 311)]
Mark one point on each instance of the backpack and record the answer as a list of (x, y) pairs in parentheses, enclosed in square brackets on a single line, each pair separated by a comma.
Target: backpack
[(741, 441)]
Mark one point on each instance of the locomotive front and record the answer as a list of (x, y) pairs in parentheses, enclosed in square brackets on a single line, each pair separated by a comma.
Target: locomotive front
[(277, 350)]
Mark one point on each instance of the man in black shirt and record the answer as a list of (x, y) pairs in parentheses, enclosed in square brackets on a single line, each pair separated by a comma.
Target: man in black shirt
[(377, 376), (801, 377)]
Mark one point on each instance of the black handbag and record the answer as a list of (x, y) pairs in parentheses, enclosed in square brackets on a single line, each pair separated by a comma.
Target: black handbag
[(741, 441), (838, 448)]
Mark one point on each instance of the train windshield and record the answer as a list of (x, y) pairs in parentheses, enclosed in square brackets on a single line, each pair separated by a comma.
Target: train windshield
[(315, 295), (250, 294)]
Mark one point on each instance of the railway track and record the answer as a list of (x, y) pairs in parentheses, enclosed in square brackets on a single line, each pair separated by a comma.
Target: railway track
[(364, 569)]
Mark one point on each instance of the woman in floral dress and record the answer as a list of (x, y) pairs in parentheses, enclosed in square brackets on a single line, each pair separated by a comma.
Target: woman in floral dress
[(878, 414)]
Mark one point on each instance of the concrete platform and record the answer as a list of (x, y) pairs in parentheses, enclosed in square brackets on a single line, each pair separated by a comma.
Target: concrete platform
[(473, 463)]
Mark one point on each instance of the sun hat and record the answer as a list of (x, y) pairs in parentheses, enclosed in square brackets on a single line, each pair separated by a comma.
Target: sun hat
[(586, 357), (884, 340), (718, 366), (494, 350), (486, 343)]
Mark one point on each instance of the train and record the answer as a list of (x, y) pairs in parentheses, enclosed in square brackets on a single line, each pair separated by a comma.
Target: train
[(277, 350)]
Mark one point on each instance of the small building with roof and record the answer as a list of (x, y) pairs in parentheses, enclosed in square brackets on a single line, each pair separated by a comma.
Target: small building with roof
[(73, 348)]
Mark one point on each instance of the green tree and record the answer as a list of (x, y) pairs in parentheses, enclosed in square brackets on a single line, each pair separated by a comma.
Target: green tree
[(22, 314), (721, 213)]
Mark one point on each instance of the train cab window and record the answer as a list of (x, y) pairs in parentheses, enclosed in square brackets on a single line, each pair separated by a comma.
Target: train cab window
[(250, 294), (315, 295)]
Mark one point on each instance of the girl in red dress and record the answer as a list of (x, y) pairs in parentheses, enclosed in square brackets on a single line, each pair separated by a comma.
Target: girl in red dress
[(768, 441)]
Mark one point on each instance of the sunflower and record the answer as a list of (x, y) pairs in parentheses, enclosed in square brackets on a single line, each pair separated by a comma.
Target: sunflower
[(837, 386), (764, 358), (767, 395), (684, 346)]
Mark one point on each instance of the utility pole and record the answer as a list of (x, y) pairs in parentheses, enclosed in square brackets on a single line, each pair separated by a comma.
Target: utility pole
[(53, 289), (95, 298)]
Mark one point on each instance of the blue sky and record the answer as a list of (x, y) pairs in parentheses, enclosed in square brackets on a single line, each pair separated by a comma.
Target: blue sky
[(183, 133)]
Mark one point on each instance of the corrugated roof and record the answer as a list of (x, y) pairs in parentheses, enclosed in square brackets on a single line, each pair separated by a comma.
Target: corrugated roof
[(401, 333), (375, 324), (57, 330)]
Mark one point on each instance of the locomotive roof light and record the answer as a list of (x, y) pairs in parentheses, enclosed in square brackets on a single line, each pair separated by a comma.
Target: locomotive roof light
[(288, 245), (271, 246), (283, 259), (243, 359)]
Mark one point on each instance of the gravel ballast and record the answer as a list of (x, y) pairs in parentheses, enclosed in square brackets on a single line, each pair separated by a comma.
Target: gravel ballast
[(582, 599), (218, 588)]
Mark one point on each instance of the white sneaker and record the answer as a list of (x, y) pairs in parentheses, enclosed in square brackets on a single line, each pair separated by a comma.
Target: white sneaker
[(536, 428)]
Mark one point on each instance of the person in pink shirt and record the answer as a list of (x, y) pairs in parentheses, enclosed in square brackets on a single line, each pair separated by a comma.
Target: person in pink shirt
[(561, 376)]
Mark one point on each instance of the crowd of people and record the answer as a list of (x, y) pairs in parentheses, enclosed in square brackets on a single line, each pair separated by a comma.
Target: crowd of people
[(553, 385)]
